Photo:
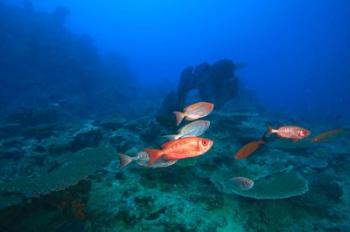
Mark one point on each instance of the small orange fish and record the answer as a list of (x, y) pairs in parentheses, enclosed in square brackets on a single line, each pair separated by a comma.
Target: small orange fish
[(327, 135), (248, 149), (180, 149), (290, 132), (194, 111)]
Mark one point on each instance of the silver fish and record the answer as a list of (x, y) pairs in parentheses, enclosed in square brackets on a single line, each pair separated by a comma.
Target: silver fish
[(142, 159), (196, 128), (195, 111)]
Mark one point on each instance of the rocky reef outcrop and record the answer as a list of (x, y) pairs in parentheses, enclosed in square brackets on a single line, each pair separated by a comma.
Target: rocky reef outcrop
[(216, 83)]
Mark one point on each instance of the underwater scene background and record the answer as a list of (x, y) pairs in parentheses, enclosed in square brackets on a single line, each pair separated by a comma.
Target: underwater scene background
[(88, 136)]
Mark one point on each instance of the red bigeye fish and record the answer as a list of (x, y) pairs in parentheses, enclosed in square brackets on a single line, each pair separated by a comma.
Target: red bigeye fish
[(248, 149), (242, 183), (180, 149), (290, 132), (327, 135), (196, 128), (194, 111)]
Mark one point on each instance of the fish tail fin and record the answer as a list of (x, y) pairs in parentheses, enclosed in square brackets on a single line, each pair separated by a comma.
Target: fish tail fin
[(124, 160), (154, 155), (238, 157), (269, 130), (179, 117), (172, 137)]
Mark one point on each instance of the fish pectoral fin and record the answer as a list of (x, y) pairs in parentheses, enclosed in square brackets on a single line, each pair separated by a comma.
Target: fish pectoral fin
[(171, 137)]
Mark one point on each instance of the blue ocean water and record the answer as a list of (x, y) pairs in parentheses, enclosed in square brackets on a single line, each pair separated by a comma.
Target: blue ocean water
[(86, 85)]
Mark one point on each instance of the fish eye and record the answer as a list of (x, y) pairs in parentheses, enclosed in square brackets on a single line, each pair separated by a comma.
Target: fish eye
[(204, 142)]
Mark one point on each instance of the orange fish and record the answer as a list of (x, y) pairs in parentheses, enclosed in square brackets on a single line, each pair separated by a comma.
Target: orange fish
[(194, 111), (290, 132), (248, 149), (180, 149), (327, 134)]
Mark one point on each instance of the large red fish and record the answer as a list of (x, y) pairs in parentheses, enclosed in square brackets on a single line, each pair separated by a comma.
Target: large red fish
[(194, 112), (290, 132), (180, 149), (248, 149)]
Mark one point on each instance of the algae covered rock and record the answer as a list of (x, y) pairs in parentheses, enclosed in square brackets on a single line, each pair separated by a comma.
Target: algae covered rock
[(112, 123), (290, 145), (74, 139), (323, 188), (124, 139), (126, 202), (88, 136)]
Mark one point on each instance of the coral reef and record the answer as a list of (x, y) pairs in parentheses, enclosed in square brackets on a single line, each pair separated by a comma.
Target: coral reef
[(61, 131), (193, 195)]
